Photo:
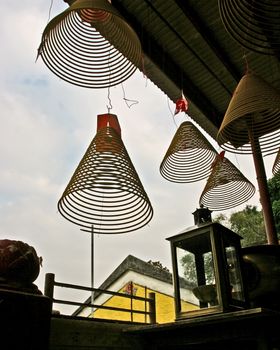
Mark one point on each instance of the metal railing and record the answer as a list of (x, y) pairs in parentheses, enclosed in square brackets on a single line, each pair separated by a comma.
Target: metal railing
[(149, 311)]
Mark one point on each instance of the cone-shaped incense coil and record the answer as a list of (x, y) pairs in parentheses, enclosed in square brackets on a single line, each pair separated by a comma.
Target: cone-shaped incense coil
[(189, 156), (276, 165), (226, 187), (254, 108), (105, 190), (90, 45), (253, 24)]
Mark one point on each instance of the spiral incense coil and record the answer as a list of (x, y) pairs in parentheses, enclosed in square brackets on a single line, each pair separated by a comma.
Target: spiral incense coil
[(90, 45), (105, 190), (253, 24), (226, 187), (276, 165), (254, 108), (189, 156)]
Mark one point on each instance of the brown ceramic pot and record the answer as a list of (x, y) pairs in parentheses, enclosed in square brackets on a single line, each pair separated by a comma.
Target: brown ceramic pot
[(262, 274)]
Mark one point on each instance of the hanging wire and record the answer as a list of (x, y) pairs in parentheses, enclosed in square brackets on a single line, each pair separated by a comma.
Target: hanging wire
[(50, 9), (109, 105), (127, 101), (143, 67), (236, 160), (172, 113), (245, 57), (49, 16)]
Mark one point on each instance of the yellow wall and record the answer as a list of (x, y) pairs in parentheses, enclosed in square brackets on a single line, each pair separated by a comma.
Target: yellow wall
[(165, 311)]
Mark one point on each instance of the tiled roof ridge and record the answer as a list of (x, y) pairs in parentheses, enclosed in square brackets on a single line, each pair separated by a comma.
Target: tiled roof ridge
[(137, 265)]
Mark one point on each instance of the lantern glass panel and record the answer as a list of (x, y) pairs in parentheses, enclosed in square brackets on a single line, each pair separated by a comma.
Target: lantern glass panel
[(234, 274), (196, 274), (187, 279)]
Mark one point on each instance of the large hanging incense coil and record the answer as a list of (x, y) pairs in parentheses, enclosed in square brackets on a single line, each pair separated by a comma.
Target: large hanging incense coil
[(253, 24), (253, 110), (226, 187), (105, 190), (189, 156), (90, 45), (276, 165)]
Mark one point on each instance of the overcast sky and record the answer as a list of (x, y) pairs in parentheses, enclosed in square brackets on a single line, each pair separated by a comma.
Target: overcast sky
[(46, 126)]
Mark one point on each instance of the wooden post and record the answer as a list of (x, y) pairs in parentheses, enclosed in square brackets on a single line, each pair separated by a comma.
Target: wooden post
[(49, 286), (263, 190), (131, 301), (92, 269), (152, 308)]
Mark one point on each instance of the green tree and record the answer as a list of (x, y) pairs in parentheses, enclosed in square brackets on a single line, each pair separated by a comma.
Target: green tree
[(274, 192), (188, 263), (249, 222)]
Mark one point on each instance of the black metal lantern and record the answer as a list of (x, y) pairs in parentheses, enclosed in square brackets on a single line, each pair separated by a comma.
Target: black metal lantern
[(207, 269)]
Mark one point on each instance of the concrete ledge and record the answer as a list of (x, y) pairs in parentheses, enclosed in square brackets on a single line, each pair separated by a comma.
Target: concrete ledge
[(25, 320), (77, 333)]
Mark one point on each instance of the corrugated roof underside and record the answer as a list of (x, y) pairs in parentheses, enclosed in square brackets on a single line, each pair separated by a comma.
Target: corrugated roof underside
[(170, 26)]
